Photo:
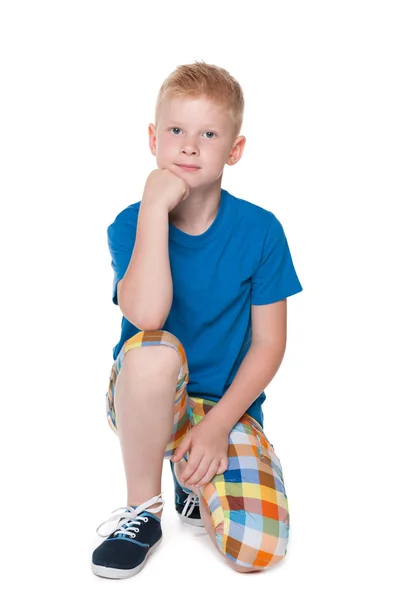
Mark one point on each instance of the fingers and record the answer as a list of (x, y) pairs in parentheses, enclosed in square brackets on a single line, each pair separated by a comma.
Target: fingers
[(194, 463), (223, 465), (183, 447), (199, 472), (212, 470)]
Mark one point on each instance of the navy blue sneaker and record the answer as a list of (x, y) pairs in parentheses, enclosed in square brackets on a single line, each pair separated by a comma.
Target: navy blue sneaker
[(136, 535), (186, 503)]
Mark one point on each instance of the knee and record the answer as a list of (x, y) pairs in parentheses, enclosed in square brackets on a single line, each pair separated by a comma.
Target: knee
[(240, 569), (156, 357), (246, 558), (264, 561), (259, 565)]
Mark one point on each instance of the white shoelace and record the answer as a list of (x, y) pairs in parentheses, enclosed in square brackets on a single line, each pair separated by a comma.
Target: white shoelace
[(192, 497), (187, 509), (131, 517)]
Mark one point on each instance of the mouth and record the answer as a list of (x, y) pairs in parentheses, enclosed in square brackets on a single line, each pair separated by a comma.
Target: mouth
[(188, 167)]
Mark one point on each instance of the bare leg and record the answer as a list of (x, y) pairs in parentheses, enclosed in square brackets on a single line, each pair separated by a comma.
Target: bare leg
[(206, 518), (144, 409)]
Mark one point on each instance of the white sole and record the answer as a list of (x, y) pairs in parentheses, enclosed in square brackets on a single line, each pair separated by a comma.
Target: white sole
[(195, 522), (122, 573)]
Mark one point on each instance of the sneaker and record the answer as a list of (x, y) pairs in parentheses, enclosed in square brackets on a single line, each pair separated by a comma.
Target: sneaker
[(136, 535), (186, 503)]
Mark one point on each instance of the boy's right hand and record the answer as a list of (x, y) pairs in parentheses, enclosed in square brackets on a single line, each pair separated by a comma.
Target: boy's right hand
[(164, 187)]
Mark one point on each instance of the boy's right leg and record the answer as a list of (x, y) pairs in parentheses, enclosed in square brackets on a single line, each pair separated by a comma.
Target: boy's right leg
[(144, 408), (147, 408)]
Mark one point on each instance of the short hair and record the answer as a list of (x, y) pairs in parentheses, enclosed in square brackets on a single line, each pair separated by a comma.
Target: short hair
[(202, 79)]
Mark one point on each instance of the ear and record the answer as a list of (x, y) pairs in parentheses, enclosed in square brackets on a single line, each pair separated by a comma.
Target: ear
[(237, 150), (152, 138)]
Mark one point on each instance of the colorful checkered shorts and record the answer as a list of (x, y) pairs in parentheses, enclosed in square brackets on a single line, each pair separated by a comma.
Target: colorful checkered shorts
[(247, 503)]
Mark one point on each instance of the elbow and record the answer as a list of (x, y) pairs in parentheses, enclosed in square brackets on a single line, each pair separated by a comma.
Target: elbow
[(143, 324), (152, 324), (148, 325)]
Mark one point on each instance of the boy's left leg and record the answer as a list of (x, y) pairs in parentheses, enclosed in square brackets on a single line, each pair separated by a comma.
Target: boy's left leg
[(245, 509), (206, 518), (208, 525)]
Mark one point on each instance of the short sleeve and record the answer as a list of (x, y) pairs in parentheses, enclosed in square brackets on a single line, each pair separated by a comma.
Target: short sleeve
[(121, 236), (275, 277)]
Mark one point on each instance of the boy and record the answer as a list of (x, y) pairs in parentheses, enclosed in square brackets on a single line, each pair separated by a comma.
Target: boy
[(201, 278)]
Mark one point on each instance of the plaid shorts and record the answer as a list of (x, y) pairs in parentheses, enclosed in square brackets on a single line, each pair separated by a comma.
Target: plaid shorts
[(247, 503)]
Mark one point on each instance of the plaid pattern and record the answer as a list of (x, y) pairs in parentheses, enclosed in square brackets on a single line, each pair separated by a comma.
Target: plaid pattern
[(248, 503)]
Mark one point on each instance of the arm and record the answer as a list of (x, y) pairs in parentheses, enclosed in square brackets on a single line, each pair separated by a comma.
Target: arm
[(208, 440), (257, 370), (146, 289), (259, 366)]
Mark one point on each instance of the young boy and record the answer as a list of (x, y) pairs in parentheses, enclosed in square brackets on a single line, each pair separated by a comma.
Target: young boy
[(201, 278)]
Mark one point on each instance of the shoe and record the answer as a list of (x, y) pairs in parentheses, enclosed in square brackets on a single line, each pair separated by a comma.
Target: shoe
[(186, 503), (136, 535)]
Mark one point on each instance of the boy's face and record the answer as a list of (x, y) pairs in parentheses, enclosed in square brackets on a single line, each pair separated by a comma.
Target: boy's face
[(194, 131)]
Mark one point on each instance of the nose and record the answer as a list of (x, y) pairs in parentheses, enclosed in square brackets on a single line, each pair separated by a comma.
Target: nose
[(189, 148)]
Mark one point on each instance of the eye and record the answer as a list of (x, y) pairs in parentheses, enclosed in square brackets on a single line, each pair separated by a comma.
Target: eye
[(211, 136), (175, 130)]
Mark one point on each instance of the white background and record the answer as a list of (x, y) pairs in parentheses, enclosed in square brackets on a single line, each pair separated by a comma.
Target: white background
[(79, 82)]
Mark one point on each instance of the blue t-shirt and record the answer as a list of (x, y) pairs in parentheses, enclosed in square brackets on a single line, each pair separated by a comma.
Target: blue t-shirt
[(242, 259)]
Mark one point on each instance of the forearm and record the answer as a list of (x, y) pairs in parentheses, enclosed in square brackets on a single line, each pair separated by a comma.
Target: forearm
[(146, 290), (257, 370)]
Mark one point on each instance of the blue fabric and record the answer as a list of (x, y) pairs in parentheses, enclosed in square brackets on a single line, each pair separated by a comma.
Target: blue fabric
[(242, 259)]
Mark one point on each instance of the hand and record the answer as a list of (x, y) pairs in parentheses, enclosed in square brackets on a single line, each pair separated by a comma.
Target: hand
[(164, 187), (208, 445)]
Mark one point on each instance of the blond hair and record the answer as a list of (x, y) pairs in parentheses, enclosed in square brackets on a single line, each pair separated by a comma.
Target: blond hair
[(202, 79)]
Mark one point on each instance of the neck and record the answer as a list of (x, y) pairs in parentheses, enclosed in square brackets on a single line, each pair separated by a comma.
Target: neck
[(199, 209)]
